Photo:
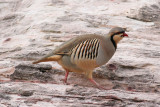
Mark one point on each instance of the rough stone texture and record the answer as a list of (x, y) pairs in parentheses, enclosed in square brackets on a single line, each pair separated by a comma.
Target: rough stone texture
[(146, 13), (32, 28), (30, 72), (38, 72)]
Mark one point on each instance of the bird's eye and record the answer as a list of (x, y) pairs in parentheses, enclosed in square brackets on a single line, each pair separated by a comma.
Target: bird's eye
[(122, 36)]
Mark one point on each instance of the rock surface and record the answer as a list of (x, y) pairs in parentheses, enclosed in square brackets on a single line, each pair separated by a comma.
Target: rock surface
[(147, 13), (32, 28)]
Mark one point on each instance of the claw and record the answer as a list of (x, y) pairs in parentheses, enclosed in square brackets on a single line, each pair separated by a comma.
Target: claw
[(100, 87)]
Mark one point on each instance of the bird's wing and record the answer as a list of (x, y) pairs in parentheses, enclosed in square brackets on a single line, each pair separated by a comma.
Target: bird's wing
[(66, 47)]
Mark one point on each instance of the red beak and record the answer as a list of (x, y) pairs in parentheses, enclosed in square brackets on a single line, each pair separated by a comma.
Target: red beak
[(125, 34)]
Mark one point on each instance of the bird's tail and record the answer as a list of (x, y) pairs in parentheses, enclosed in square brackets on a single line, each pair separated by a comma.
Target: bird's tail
[(46, 59)]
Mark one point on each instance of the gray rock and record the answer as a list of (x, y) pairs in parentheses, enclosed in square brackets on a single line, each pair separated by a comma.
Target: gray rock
[(95, 21), (104, 72), (26, 93), (69, 18), (58, 2), (2, 51), (3, 96), (31, 55), (51, 28), (147, 13), (32, 72), (10, 19)]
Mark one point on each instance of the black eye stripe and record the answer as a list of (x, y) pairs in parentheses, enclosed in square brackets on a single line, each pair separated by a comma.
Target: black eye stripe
[(122, 35), (118, 33)]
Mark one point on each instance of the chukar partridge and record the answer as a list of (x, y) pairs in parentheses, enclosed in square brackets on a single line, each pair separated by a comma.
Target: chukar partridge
[(84, 53)]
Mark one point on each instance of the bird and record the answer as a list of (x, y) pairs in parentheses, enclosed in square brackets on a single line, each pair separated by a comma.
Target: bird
[(84, 53)]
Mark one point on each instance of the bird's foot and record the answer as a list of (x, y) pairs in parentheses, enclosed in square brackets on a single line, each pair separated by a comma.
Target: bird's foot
[(103, 88), (98, 86), (65, 82)]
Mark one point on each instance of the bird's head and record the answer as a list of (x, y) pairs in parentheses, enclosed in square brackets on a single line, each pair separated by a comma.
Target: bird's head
[(117, 34)]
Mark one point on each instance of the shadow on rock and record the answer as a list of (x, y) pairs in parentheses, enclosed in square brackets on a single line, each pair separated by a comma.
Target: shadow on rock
[(40, 72)]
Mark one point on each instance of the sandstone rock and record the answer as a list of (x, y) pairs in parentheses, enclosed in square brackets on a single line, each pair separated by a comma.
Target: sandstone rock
[(51, 28), (147, 13), (10, 20), (31, 55), (26, 93), (3, 96), (32, 72)]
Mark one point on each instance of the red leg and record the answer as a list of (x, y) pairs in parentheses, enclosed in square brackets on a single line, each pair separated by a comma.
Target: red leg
[(95, 83), (66, 76), (100, 87)]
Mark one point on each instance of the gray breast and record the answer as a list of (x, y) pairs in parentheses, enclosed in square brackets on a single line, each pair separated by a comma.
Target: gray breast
[(105, 52)]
